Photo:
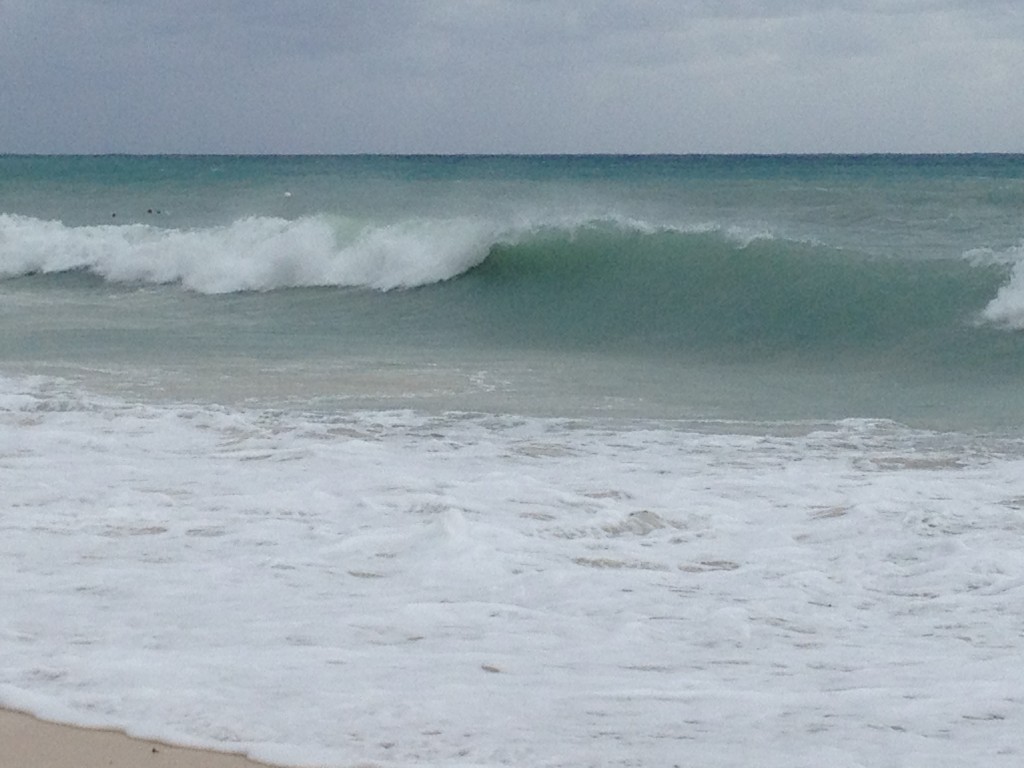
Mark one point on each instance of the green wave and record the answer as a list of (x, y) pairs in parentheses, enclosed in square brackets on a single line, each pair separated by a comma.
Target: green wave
[(614, 288)]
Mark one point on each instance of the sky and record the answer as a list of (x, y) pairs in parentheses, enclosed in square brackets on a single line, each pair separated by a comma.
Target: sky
[(511, 76)]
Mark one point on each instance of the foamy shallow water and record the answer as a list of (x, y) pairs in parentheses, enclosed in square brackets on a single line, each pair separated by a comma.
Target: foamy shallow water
[(405, 589)]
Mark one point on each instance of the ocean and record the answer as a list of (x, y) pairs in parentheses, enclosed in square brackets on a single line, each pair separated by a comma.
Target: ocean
[(517, 460)]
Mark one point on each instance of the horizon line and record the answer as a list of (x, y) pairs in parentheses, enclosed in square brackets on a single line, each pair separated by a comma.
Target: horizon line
[(926, 153)]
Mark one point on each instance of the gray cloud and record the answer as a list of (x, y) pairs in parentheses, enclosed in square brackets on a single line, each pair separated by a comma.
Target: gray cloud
[(498, 75)]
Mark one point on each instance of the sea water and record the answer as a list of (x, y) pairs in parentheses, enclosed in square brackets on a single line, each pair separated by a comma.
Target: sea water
[(517, 460)]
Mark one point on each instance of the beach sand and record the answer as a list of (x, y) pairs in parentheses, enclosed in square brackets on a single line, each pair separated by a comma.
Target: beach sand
[(26, 742)]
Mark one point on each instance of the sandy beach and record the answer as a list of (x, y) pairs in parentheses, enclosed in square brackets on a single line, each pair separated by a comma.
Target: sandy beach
[(26, 742)]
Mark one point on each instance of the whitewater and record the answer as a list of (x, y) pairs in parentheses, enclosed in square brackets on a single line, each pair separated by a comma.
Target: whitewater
[(517, 461), (252, 254)]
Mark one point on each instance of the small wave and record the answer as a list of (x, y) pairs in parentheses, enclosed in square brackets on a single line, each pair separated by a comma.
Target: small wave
[(251, 254)]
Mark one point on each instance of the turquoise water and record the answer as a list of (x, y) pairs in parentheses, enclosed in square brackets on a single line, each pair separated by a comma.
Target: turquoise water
[(747, 288), (643, 452)]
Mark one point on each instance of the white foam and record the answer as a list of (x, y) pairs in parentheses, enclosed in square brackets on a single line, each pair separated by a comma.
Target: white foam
[(1007, 308), (399, 589), (258, 253)]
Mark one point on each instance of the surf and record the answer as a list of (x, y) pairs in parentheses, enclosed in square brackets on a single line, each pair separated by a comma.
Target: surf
[(603, 283), (258, 253)]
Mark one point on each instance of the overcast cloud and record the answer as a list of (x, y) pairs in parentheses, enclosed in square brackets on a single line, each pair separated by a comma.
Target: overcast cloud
[(511, 76)]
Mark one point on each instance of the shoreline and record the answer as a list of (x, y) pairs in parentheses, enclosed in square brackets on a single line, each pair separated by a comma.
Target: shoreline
[(29, 742)]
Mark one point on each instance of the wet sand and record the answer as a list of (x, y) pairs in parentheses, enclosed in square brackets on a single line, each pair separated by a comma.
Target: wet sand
[(26, 742)]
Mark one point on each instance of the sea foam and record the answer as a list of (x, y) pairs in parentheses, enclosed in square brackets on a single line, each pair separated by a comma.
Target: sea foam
[(478, 590)]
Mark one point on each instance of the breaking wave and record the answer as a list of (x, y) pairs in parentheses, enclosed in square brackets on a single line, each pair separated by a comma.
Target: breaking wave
[(251, 254), (596, 282)]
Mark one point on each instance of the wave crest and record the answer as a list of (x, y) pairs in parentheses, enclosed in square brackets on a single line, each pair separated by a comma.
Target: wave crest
[(251, 254)]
